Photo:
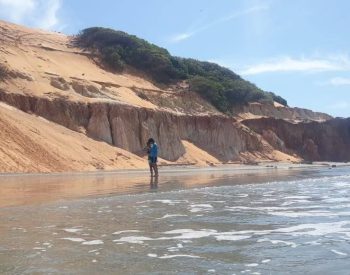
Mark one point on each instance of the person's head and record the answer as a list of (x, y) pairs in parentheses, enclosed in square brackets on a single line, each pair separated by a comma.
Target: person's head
[(150, 141)]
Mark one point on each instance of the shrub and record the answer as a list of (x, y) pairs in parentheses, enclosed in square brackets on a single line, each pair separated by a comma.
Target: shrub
[(220, 86)]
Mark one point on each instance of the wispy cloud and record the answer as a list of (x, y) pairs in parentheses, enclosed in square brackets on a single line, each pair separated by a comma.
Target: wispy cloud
[(50, 17), (37, 13), (233, 15), (339, 81), (181, 36), (16, 10), (289, 64)]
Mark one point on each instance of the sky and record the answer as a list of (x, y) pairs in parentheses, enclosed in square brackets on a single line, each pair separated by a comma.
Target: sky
[(297, 49)]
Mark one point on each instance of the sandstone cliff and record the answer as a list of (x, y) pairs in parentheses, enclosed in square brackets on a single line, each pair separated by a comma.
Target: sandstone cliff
[(279, 111), (110, 116), (327, 141), (129, 127)]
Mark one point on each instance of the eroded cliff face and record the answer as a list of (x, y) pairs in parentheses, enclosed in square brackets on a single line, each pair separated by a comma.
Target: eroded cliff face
[(280, 112), (29, 143), (45, 75), (326, 141), (129, 127)]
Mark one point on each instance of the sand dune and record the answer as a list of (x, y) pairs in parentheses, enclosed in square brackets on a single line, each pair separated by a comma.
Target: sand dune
[(33, 144), (47, 75)]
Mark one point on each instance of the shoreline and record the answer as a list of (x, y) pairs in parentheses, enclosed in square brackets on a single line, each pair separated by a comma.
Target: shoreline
[(168, 169), (23, 190)]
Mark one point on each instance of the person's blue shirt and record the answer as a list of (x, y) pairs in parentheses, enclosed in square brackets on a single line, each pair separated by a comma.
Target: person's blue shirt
[(153, 151)]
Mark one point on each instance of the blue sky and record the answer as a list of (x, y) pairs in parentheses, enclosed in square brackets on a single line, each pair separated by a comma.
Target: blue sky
[(298, 49)]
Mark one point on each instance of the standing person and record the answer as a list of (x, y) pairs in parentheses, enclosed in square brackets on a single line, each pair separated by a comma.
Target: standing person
[(152, 156), (148, 149)]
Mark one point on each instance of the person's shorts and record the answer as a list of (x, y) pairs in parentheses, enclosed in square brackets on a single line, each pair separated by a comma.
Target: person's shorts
[(152, 160)]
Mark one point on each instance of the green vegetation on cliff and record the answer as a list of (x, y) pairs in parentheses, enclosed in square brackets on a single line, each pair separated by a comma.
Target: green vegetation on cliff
[(219, 85)]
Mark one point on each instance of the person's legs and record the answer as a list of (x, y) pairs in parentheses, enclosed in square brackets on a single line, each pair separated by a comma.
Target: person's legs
[(155, 168), (151, 168)]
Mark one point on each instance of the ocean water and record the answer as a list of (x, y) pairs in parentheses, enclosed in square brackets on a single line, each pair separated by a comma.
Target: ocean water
[(293, 224)]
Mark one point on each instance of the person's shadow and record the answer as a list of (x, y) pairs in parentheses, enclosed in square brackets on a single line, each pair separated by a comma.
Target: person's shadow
[(153, 183)]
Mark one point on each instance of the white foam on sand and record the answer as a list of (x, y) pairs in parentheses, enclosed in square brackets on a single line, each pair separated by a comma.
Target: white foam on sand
[(340, 206), (125, 231), (241, 195), (251, 265), (257, 209), (317, 229), (339, 252), (171, 216), (304, 214), (294, 202), (200, 207), (40, 248), (231, 237), (291, 244), (184, 234), (173, 249), (313, 229), (169, 202), (337, 200), (313, 243), (72, 230), (94, 250), (292, 212), (94, 242), (341, 184), (133, 239), (297, 197), (78, 240), (189, 233), (178, 256), (152, 255)]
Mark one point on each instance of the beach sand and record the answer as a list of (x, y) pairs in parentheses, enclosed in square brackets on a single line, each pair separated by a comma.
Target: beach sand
[(25, 189)]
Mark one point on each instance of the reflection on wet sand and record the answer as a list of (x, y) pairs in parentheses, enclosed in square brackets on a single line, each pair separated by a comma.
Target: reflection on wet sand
[(32, 189), (154, 183), (263, 227)]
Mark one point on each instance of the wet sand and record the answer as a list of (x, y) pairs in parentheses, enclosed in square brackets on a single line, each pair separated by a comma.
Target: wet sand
[(293, 221), (25, 189)]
